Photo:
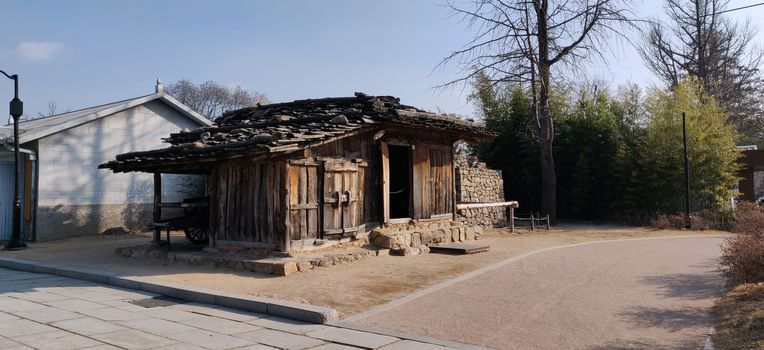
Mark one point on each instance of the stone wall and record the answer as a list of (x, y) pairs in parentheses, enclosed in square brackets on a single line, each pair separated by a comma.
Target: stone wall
[(475, 183)]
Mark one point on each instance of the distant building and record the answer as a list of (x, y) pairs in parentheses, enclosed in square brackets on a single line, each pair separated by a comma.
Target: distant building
[(64, 193), (751, 184)]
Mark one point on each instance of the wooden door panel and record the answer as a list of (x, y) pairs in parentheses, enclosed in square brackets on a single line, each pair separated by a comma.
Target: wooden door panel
[(303, 200), (342, 196)]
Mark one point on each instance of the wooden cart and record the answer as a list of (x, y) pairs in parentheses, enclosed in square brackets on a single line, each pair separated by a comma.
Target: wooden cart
[(194, 222)]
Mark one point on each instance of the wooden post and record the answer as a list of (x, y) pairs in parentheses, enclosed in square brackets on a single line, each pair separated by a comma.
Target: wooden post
[(157, 212), (547, 222), (533, 223), (512, 219), (385, 183)]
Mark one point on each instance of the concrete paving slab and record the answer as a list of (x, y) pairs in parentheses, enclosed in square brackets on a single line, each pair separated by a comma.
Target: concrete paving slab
[(179, 346), (210, 340), (75, 305), (279, 339), (412, 345), (103, 347), (126, 305), (156, 326), (257, 347), (6, 343), (353, 337), (87, 326), (47, 314), (220, 325), (35, 296), (113, 314), (218, 311), (333, 346), (15, 328), (133, 339), (57, 340), (168, 313), (11, 305), (5, 317), (287, 325)]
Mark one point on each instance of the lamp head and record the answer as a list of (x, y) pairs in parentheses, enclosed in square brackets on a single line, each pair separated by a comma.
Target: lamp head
[(17, 108)]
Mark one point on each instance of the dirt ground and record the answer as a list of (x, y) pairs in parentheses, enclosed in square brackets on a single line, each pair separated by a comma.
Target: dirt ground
[(350, 288), (740, 318)]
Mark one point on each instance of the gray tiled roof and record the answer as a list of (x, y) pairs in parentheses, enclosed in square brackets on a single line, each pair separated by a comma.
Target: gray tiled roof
[(290, 126)]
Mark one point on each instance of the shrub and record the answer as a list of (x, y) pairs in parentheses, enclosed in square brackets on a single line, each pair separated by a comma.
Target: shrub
[(749, 219), (701, 221), (743, 255), (743, 259)]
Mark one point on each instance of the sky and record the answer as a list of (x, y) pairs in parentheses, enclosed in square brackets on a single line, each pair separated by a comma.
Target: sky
[(80, 53)]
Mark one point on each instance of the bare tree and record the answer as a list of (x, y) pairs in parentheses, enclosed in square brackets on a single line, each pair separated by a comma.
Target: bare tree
[(52, 110), (700, 41), (212, 99), (520, 41)]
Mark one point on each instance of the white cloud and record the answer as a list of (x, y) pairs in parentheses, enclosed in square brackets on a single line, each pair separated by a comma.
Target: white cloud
[(39, 50)]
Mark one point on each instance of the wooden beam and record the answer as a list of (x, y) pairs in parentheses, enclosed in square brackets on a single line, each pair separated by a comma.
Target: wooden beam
[(157, 212), (512, 204), (385, 183)]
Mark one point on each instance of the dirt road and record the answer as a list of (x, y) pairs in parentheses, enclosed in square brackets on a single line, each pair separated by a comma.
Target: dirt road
[(631, 294)]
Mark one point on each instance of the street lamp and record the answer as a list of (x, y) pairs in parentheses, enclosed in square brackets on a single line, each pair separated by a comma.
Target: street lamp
[(16, 109)]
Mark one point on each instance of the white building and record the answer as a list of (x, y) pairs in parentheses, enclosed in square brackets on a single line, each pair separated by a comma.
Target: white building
[(64, 193)]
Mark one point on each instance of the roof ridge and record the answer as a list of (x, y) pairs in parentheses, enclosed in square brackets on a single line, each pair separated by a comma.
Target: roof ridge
[(104, 105)]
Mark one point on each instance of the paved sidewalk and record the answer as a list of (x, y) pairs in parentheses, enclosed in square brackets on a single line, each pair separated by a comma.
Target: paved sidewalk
[(39, 311)]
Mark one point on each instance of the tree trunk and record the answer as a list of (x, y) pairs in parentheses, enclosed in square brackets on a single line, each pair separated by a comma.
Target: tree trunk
[(545, 122), (546, 139)]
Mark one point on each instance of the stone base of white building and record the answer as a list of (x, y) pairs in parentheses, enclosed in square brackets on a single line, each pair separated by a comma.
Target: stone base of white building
[(65, 221)]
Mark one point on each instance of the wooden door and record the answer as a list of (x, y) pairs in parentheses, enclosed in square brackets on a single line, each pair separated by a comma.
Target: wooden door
[(342, 197), (303, 200)]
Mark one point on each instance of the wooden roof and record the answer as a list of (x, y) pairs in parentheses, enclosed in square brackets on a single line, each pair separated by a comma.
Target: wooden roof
[(287, 127)]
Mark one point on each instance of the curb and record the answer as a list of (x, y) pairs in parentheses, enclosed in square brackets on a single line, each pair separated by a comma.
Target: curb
[(275, 307), (407, 336)]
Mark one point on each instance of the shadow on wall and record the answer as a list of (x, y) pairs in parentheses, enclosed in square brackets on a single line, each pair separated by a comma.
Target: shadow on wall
[(63, 221)]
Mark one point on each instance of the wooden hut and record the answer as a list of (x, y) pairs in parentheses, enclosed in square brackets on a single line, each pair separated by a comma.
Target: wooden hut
[(285, 176)]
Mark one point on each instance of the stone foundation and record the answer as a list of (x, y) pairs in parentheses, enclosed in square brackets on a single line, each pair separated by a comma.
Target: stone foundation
[(417, 240), (239, 262), (65, 221), (493, 216)]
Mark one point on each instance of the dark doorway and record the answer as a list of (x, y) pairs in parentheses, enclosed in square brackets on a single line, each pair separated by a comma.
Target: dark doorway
[(400, 180)]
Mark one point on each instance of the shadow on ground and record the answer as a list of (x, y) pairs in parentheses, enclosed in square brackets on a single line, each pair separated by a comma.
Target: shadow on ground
[(688, 286), (645, 344)]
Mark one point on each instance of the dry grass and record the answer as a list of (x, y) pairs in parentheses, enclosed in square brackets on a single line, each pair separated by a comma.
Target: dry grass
[(740, 318)]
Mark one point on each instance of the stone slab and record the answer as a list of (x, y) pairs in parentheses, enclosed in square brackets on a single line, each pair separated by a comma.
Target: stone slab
[(459, 248), (353, 337), (47, 315), (87, 326), (133, 339), (279, 339), (57, 340), (209, 340), (220, 325)]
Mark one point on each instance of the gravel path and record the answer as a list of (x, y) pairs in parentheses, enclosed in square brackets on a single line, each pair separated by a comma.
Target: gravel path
[(630, 294)]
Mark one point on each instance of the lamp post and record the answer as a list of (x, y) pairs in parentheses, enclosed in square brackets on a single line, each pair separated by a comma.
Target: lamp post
[(16, 110), (687, 217)]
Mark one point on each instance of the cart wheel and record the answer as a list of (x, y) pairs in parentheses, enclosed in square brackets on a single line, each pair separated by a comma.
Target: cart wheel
[(197, 235)]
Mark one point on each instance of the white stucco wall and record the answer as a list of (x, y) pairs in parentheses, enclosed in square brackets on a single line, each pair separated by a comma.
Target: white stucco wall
[(68, 160)]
